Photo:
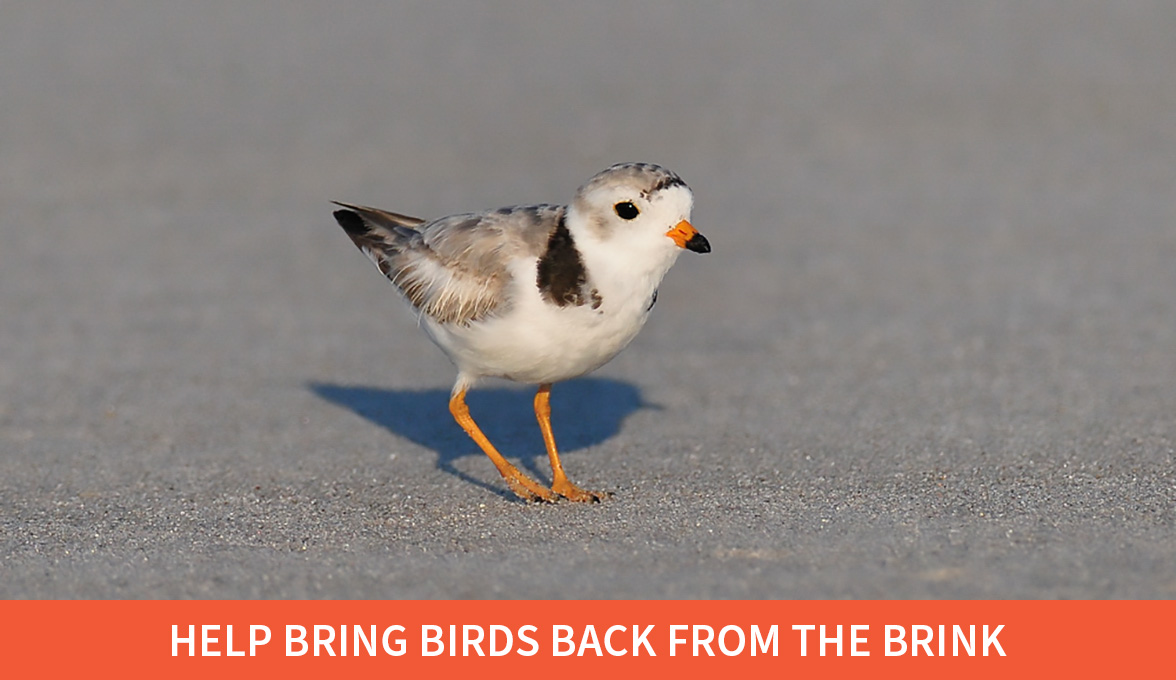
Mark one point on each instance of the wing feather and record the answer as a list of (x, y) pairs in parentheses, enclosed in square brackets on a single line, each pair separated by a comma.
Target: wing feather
[(455, 269)]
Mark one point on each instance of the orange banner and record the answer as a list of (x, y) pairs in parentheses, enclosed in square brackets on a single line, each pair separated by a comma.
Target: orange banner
[(573, 639)]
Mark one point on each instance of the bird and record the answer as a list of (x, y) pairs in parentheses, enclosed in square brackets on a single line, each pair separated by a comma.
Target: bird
[(536, 294)]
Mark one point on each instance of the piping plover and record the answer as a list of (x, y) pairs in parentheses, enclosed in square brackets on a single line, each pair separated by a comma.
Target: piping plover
[(537, 293)]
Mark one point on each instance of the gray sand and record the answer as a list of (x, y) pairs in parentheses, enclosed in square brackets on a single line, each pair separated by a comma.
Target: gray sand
[(932, 355)]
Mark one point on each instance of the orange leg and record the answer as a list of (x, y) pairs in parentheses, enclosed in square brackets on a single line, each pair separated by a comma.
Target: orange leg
[(522, 485), (560, 482)]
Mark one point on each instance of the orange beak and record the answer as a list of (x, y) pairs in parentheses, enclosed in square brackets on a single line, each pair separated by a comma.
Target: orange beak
[(686, 236)]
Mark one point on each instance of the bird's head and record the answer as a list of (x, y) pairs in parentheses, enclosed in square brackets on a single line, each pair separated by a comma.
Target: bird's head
[(637, 208)]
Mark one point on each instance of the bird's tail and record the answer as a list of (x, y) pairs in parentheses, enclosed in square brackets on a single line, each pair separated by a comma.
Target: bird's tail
[(380, 234)]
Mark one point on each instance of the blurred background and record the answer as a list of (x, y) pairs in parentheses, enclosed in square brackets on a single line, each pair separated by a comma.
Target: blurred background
[(933, 353)]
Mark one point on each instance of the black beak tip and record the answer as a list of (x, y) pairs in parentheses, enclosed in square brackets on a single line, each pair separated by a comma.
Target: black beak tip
[(698, 244)]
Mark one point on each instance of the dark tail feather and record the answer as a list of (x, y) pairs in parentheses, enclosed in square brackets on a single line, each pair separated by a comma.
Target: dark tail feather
[(378, 233), (352, 223), (380, 218)]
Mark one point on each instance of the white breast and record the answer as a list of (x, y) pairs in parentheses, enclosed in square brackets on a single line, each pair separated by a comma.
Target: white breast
[(537, 341)]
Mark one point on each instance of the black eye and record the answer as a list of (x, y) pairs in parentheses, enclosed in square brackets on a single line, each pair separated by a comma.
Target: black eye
[(626, 210)]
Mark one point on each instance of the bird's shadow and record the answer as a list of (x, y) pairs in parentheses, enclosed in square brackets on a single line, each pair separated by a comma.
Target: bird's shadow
[(585, 412)]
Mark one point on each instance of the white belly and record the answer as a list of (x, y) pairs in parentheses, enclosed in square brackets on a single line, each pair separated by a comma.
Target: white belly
[(537, 342)]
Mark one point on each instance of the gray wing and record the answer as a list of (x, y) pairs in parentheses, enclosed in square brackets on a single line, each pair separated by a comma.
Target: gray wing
[(455, 269)]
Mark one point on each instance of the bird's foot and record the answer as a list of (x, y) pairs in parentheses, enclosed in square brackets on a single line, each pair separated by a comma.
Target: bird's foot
[(527, 489), (570, 491)]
